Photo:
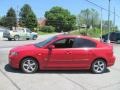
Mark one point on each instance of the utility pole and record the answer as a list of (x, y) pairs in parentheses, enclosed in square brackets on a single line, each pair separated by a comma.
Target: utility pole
[(87, 22), (101, 24), (109, 22), (114, 20), (17, 15)]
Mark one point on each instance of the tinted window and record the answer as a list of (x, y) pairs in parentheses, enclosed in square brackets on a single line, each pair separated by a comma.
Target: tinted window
[(79, 42), (64, 43)]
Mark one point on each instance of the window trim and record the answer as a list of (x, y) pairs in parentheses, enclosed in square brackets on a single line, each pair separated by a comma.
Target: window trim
[(61, 39)]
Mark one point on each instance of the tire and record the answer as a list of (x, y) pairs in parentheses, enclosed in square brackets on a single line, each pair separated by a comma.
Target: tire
[(16, 37), (9, 39), (98, 66), (29, 65), (27, 38), (118, 41), (34, 37)]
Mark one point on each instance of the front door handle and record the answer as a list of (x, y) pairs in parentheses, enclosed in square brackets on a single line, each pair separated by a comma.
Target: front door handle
[(68, 52)]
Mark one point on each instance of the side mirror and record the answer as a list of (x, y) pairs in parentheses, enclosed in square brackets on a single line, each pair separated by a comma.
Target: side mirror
[(51, 47)]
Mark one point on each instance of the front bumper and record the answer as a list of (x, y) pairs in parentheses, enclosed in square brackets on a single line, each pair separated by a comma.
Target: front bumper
[(7, 36), (14, 61)]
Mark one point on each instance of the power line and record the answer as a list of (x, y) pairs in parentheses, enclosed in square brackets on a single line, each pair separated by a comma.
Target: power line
[(102, 8)]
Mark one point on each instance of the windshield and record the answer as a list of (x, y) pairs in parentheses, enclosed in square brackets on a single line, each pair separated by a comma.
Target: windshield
[(41, 44)]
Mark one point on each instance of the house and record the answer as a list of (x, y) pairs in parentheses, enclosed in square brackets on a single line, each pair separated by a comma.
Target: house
[(41, 22)]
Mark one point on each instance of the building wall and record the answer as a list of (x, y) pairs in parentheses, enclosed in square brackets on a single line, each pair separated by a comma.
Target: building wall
[(42, 22)]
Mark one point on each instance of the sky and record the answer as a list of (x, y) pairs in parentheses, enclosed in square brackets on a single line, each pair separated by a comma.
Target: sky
[(74, 6)]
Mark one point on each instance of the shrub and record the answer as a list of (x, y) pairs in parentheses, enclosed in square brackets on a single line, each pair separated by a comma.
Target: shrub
[(48, 29)]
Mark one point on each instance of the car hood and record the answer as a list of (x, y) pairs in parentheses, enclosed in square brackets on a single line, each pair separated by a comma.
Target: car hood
[(24, 47)]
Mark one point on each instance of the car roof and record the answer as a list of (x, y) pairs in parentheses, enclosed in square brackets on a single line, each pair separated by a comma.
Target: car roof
[(115, 32), (67, 35), (76, 36), (72, 36)]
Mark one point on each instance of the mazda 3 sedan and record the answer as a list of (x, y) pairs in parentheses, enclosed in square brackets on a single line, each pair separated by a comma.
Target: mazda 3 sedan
[(63, 52)]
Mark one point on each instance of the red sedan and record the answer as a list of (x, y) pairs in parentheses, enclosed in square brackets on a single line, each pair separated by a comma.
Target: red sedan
[(63, 52)]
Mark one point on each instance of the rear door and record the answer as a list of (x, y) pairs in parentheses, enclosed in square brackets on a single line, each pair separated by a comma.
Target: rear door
[(82, 52)]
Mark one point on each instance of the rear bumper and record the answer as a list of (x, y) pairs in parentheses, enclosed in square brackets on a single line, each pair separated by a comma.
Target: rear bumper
[(112, 61)]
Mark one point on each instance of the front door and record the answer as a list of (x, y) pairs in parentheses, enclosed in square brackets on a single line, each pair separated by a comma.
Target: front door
[(60, 56)]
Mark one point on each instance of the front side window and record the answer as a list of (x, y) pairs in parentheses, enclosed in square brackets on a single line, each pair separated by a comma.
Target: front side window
[(64, 43), (27, 30), (45, 42), (80, 43)]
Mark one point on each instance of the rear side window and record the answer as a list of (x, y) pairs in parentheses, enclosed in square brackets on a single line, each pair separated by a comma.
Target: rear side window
[(80, 42)]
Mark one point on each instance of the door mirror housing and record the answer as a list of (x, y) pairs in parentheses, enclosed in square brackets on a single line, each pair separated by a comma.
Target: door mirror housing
[(51, 47)]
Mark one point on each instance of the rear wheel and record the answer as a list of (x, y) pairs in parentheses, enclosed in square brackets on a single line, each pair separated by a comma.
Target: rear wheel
[(9, 39), (16, 37), (98, 66), (29, 65)]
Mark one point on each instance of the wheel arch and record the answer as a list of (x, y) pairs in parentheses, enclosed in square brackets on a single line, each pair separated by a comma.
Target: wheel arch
[(17, 35), (97, 59), (29, 57)]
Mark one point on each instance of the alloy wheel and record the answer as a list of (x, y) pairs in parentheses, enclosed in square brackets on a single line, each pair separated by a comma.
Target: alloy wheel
[(29, 65), (99, 66)]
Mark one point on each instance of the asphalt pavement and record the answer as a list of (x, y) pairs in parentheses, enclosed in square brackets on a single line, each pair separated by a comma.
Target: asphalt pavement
[(11, 79)]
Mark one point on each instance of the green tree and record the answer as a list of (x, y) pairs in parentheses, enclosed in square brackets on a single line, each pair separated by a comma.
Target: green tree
[(112, 26), (61, 19), (89, 17), (10, 19), (27, 17), (3, 21)]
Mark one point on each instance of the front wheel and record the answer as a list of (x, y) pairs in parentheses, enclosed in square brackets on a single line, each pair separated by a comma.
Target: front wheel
[(118, 41), (98, 66), (29, 65), (34, 37)]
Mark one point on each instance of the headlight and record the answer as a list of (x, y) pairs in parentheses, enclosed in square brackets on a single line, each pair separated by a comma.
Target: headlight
[(13, 53)]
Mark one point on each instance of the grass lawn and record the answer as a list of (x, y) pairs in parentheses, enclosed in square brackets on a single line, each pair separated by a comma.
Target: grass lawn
[(92, 33), (44, 33)]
